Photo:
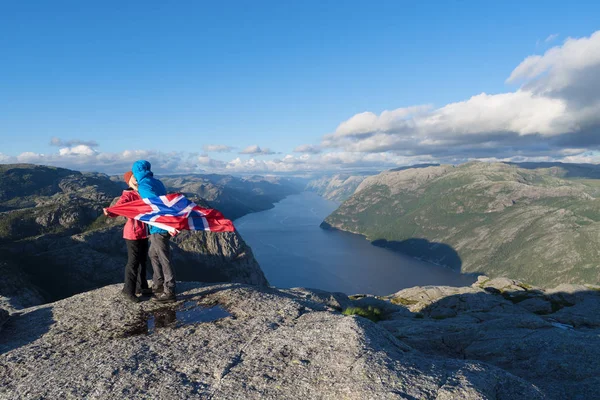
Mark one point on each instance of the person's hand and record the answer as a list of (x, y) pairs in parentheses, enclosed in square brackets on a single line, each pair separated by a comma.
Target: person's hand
[(105, 211), (175, 232)]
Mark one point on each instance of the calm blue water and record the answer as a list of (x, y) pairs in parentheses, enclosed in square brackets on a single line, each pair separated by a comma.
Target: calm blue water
[(294, 252)]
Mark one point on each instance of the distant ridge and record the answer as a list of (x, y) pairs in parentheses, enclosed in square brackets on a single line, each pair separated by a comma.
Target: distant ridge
[(565, 170)]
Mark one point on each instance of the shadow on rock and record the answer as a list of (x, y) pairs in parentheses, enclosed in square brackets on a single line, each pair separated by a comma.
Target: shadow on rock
[(21, 329), (550, 338), (64, 266)]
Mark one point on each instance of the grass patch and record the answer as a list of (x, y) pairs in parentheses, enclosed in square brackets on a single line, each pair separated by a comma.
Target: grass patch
[(370, 312), (403, 301), (356, 296), (525, 286), (482, 284)]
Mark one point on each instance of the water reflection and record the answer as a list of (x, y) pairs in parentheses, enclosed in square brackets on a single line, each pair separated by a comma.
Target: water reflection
[(186, 314)]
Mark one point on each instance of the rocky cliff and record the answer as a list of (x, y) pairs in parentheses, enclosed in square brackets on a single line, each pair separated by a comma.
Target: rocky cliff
[(55, 242), (491, 218), (499, 339)]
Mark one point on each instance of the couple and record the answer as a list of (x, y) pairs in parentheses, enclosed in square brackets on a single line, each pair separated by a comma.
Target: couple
[(142, 184)]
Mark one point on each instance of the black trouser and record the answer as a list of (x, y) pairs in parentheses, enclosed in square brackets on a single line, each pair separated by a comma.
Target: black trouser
[(135, 270)]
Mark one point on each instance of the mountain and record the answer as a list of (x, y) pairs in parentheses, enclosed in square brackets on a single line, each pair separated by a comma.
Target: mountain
[(337, 187), (498, 339), (55, 242), (233, 196), (491, 218), (413, 166), (37, 200), (564, 170), (340, 187)]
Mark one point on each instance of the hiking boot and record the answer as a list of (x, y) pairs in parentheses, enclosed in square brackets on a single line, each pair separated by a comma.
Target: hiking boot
[(166, 297), (145, 292), (158, 289), (131, 297)]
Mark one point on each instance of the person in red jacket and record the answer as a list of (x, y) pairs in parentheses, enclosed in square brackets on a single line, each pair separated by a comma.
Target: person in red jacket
[(135, 234)]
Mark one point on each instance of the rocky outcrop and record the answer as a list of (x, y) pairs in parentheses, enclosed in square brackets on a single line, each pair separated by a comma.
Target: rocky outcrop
[(216, 257), (66, 265), (229, 342), (550, 338), (55, 242)]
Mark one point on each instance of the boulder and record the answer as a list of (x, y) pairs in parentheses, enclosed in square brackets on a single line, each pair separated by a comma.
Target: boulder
[(584, 314), (537, 305), (550, 338)]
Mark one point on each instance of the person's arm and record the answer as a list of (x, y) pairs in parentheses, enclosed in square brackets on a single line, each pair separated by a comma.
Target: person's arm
[(125, 198)]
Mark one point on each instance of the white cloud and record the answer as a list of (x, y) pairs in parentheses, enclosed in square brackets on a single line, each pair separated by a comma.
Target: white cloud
[(71, 143), (557, 107), (257, 150), (29, 157), (551, 38), (336, 161), (367, 122), (206, 161), (583, 158), (554, 115), (113, 163), (562, 63), (308, 149), (79, 150), (217, 148)]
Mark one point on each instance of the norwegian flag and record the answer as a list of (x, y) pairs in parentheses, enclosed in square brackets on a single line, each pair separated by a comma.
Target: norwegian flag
[(174, 212)]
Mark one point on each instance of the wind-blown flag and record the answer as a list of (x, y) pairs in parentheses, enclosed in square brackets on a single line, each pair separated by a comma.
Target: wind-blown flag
[(174, 212)]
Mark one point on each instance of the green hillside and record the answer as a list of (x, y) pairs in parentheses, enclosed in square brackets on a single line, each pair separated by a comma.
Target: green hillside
[(502, 220)]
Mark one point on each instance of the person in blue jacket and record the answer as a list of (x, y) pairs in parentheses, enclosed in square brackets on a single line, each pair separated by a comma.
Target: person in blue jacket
[(163, 278)]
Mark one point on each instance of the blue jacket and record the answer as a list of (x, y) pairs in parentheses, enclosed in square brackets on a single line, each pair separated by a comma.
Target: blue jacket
[(148, 185)]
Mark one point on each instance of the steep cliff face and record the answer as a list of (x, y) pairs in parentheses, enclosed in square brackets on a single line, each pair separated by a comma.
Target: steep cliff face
[(496, 219), (16, 289), (212, 257), (55, 242), (61, 267), (230, 342)]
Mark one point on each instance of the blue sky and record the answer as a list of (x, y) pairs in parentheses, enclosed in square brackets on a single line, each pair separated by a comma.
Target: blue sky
[(163, 79)]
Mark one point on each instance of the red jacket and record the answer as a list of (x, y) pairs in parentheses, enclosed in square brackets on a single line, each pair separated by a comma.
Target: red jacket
[(133, 229)]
